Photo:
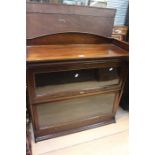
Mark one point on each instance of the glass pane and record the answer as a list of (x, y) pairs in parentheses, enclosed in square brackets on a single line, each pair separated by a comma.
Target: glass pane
[(77, 80), (52, 114)]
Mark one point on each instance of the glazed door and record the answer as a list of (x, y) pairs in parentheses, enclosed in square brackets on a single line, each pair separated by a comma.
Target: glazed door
[(50, 86), (74, 110), (67, 115)]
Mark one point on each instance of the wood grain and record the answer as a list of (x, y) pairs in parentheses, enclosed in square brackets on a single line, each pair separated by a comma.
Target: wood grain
[(68, 52), (46, 19), (68, 38)]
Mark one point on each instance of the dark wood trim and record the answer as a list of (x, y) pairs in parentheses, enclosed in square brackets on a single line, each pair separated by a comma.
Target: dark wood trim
[(72, 65), (121, 44), (50, 98), (45, 137), (126, 74), (115, 105), (36, 125), (30, 93), (124, 77), (30, 85), (46, 134), (67, 38)]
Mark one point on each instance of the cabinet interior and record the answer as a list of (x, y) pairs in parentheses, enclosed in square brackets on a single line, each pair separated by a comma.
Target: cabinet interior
[(75, 80)]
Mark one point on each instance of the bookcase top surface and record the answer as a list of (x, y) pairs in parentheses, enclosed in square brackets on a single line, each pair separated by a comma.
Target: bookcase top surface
[(40, 53)]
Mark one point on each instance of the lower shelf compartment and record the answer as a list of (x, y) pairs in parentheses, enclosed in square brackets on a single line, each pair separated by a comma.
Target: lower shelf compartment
[(39, 137), (63, 117), (60, 113)]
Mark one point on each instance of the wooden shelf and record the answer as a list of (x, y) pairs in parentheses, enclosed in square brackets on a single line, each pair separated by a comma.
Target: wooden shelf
[(73, 51)]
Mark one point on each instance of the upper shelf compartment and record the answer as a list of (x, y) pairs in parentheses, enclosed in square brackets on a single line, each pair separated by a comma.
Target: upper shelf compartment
[(63, 32)]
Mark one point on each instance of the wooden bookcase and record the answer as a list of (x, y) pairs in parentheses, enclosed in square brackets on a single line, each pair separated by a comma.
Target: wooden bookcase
[(74, 79)]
